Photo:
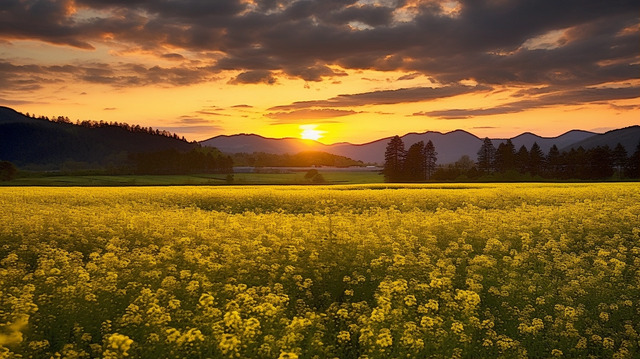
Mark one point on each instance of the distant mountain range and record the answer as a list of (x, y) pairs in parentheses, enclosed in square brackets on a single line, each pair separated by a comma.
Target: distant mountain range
[(41, 144), (450, 146)]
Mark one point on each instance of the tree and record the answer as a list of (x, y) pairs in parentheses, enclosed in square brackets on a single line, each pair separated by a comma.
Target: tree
[(486, 156), (414, 163), (394, 160), (522, 160), (505, 156), (553, 162), (619, 158), (632, 169), (536, 159), (430, 159), (7, 171), (600, 162)]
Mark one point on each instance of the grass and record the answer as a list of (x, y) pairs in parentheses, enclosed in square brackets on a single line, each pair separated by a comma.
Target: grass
[(331, 177)]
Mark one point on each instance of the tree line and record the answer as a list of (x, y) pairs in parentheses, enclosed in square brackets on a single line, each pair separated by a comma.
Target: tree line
[(416, 164), (102, 124), (597, 163), (505, 163), (171, 161)]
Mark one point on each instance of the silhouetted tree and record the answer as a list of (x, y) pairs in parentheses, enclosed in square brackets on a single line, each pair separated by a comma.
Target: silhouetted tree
[(619, 158), (600, 162), (553, 163), (430, 159), (632, 169), (486, 156), (394, 160), (505, 158), (536, 159), (522, 160), (414, 163), (8, 171)]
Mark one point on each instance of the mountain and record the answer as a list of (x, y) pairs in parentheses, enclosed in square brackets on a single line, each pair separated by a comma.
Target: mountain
[(450, 146), (527, 139), (41, 144), (629, 137)]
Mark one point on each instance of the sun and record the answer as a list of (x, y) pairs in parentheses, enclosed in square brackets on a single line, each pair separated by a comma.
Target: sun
[(309, 132)]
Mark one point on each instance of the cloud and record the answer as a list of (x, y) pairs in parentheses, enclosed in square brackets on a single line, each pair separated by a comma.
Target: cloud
[(567, 97), (308, 114), (191, 120), (212, 113), (30, 77), (109, 109), (193, 129), (254, 77), (386, 97), (242, 106), (528, 42)]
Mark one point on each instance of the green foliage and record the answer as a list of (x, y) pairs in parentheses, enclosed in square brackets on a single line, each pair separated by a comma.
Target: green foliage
[(302, 159)]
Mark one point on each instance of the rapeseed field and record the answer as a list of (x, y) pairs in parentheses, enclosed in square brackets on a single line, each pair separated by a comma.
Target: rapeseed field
[(372, 271)]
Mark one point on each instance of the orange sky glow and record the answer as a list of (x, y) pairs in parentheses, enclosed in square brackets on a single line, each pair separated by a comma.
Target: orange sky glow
[(352, 71)]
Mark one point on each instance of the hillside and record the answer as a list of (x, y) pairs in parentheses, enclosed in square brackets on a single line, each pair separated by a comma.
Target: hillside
[(45, 145), (629, 137), (450, 146)]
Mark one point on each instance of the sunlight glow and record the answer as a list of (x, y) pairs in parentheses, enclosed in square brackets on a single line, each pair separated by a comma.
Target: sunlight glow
[(309, 132)]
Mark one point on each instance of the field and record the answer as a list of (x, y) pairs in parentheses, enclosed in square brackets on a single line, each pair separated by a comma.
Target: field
[(331, 177), (366, 271)]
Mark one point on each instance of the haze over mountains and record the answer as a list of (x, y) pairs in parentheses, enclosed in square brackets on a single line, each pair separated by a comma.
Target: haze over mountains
[(45, 144), (450, 146)]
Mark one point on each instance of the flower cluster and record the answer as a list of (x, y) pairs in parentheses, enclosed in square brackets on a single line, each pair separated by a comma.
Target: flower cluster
[(424, 271)]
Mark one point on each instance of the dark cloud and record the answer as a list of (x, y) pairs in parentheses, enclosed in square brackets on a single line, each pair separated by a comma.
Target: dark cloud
[(109, 109), (504, 42), (568, 97), (308, 114), (254, 77), (386, 97), (23, 78), (242, 106)]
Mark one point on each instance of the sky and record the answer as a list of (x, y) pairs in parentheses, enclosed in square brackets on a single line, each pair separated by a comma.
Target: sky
[(347, 70)]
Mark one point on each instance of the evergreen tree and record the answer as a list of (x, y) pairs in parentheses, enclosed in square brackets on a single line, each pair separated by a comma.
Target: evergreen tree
[(394, 160), (619, 158), (553, 162), (505, 156), (414, 163), (522, 160), (600, 162), (486, 156), (577, 164), (8, 171), (536, 159), (430, 159), (632, 169)]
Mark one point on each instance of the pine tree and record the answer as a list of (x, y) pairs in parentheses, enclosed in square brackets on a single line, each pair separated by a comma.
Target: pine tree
[(619, 158), (536, 159), (430, 159), (553, 162), (632, 169), (505, 156), (394, 157), (414, 163), (522, 160), (486, 156)]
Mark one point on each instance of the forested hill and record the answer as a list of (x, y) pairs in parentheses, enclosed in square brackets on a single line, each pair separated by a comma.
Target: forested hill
[(44, 144)]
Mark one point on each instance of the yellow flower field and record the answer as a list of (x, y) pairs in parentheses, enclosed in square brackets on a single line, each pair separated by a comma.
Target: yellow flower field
[(372, 271)]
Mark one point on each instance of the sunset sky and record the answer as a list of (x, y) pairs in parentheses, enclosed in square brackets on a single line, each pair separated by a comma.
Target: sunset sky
[(355, 70)]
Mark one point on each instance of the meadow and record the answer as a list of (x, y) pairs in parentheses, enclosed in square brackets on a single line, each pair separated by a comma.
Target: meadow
[(358, 271)]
